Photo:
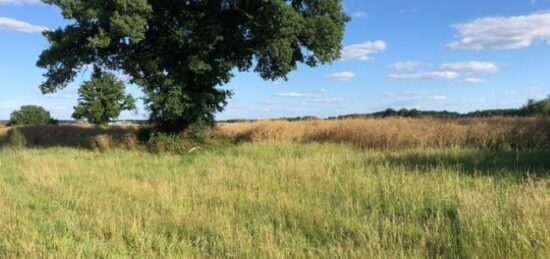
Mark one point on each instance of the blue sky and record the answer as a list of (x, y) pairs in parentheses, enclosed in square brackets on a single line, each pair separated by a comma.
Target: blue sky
[(457, 55)]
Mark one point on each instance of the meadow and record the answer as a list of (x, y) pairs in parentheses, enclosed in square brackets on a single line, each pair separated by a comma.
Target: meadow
[(392, 188)]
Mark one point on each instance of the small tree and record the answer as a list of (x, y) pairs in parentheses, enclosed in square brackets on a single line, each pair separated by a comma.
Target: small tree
[(102, 98), (30, 115)]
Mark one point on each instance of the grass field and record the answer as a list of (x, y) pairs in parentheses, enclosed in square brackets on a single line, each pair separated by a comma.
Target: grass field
[(273, 200)]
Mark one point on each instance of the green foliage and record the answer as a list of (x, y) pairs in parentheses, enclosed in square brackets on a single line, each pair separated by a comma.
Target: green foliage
[(102, 98), (537, 108), (182, 52), (169, 143), (31, 115), (17, 139)]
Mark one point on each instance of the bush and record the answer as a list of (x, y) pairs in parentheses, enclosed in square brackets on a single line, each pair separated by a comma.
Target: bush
[(169, 143), (197, 132), (31, 115), (17, 139)]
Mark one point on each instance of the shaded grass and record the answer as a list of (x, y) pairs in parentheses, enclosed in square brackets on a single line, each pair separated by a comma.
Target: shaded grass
[(274, 200)]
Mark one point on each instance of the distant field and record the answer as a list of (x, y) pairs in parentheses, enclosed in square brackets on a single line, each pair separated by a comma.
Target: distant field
[(273, 199)]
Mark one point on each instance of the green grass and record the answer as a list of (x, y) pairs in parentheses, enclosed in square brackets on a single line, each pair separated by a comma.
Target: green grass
[(265, 200)]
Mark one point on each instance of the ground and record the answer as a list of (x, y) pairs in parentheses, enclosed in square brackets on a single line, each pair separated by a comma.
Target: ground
[(275, 199)]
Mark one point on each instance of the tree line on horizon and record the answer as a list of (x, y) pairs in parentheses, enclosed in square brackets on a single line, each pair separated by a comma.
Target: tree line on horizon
[(37, 115)]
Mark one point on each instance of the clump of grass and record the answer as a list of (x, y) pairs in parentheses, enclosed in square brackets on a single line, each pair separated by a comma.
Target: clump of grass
[(102, 142)]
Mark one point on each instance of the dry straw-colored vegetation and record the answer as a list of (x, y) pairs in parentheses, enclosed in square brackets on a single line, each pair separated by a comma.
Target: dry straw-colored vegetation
[(400, 133), (380, 134)]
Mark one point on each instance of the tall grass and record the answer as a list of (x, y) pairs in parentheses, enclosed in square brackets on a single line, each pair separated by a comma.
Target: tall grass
[(379, 134), (399, 133), (274, 200)]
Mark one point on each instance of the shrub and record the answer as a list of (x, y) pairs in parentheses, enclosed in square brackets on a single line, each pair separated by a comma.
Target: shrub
[(197, 132), (17, 139), (31, 115), (168, 143)]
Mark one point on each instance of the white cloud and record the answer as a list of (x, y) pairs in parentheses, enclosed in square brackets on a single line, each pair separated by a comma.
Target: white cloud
[(535, 89), (473, 80), (408, 11), (344, 76), (503, 32), (357, 15), (405, 66), (330, 100), (363, 51), (20, 2), (8, 24), (296, 95), (472, 66), (434, 75)]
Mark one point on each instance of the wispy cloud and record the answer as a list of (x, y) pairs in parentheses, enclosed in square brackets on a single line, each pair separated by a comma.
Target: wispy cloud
[(409, 11), (405, 66), (359, 15), (330, 100), (474, 80), (433, 75), (363, 51), (20, 2), (296, 95), (503, 32), (343, 76), (472, 66), (446, 71), (8, 24)]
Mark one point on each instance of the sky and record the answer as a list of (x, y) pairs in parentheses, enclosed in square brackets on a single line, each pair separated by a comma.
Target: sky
[(456, 55)]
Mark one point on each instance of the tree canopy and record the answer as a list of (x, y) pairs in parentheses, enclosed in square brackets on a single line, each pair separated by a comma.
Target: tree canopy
[(182, 52), (102, 98), (30, 115)]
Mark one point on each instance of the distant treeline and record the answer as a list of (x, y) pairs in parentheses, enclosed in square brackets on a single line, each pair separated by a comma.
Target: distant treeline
[(414, 113), (532, 108)]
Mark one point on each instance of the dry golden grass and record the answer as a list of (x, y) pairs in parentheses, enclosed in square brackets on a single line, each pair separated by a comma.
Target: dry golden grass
[(399, 133), (381, 134)]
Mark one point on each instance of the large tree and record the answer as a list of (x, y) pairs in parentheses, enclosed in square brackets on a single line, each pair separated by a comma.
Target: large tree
[(102, 98), (181, 52)]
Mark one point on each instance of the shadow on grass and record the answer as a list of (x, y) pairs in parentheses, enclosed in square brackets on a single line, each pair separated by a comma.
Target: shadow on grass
[(516, 164)]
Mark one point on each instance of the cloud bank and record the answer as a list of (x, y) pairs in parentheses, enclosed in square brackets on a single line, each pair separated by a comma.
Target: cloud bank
[(503, 32), (363, 51)]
